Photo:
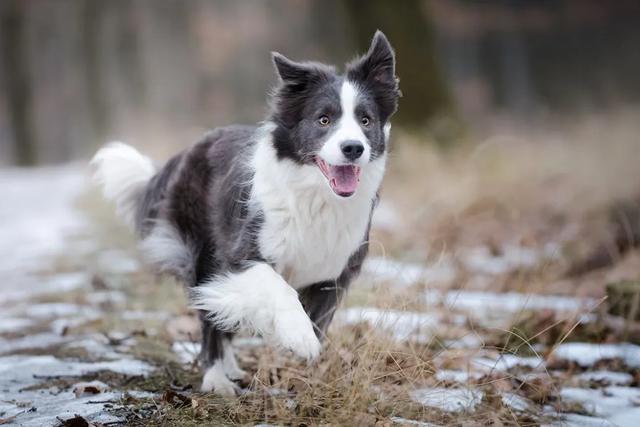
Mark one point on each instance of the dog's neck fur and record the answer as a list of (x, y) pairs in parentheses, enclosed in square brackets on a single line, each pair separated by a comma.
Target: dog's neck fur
[(309, 233)]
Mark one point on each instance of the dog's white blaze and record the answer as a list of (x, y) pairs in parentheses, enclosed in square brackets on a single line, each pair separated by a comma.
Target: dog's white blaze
[(309, 233), (347, 128), (259, 299)]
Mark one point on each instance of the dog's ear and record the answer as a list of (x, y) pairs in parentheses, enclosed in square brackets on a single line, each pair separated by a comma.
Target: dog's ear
[(376, 71), (290, 71), (379, 63)]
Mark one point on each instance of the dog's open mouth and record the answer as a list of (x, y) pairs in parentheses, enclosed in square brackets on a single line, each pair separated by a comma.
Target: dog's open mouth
[(342, 179)]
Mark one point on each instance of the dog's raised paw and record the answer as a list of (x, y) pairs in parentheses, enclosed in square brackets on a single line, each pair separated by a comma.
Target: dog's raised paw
[(293, 330)]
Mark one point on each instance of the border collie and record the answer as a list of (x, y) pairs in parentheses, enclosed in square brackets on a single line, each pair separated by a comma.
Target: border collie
[(267, 225)]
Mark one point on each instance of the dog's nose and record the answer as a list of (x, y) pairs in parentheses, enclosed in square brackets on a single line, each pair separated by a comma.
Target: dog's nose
[(352, 149)]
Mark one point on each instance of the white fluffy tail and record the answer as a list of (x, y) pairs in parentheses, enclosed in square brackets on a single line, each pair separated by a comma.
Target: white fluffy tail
[(122, 172)]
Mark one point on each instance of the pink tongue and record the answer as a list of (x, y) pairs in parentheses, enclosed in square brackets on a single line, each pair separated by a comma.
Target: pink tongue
[(344, 179)]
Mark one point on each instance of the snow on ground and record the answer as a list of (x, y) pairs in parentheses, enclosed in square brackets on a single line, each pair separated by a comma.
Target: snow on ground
[(484, 302), (37, 223), (586, 354), (402, 324), (406, 273), (37, 216), (608, 377), (618, 405), (511, 257), (448, 399), (20, 372), (186, 351)]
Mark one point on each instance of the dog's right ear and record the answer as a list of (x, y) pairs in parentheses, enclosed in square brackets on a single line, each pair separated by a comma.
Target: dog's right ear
[(290, 71)]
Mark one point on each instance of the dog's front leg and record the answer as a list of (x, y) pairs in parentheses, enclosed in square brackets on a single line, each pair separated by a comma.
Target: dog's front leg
[(259, 298)]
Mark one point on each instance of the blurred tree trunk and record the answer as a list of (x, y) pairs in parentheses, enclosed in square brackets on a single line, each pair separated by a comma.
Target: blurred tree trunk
[(15, 60), (406, 24), (91, 23), (129, 51)]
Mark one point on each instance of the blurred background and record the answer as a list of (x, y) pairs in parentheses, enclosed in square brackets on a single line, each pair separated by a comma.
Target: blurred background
[(75, 73)]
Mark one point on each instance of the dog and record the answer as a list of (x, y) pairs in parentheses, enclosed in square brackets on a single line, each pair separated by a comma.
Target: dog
[(267, 225)]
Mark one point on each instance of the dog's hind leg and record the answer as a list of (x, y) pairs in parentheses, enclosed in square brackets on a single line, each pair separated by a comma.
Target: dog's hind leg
[(214, 355)]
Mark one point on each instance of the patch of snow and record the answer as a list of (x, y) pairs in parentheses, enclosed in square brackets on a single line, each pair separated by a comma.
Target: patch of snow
[(467, 341), (612, 403), (59, 326), (406, 273), (21, 368), (577, 420), (22, 371), (507, 361), (456, 375), (586, 354), (510, 302), (14, 324), (512, 257), (186, 351), (144, 315), (37, 216), (448, 399), (28, 286), (627, 418), (41, 340), (56, 309), (609, 377), (402, 324), (51, 404), (106, 297), (98, 347), (67, 315), (516, 402), (117, 262)]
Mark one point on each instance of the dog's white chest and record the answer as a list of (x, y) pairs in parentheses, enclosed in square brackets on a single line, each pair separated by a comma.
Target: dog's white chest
[(308, 233), (313, 240)]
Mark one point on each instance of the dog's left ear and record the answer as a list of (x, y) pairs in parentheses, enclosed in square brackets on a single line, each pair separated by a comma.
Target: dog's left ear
[(376, 71), (379, 63)]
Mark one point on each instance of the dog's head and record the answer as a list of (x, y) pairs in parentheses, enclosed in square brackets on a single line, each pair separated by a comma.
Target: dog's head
[(338, 123)]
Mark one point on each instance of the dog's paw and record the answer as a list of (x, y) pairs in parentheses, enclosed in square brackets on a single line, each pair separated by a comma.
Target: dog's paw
[(234, 372), (293, 330), (216, 381)]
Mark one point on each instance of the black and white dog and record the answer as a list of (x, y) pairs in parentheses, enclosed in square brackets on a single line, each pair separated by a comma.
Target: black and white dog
[(267, 225)]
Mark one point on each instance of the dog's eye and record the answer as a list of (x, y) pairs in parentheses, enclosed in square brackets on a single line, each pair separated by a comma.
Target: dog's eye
[(365, 121), (324, 120)]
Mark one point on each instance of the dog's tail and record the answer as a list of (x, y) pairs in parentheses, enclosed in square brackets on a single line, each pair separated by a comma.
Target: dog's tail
[(123, 173)]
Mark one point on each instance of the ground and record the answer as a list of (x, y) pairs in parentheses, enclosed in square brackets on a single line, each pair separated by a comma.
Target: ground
[(470, 309)]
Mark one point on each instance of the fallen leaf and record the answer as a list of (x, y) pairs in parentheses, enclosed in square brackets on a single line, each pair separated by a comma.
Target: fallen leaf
[(175, 399)]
